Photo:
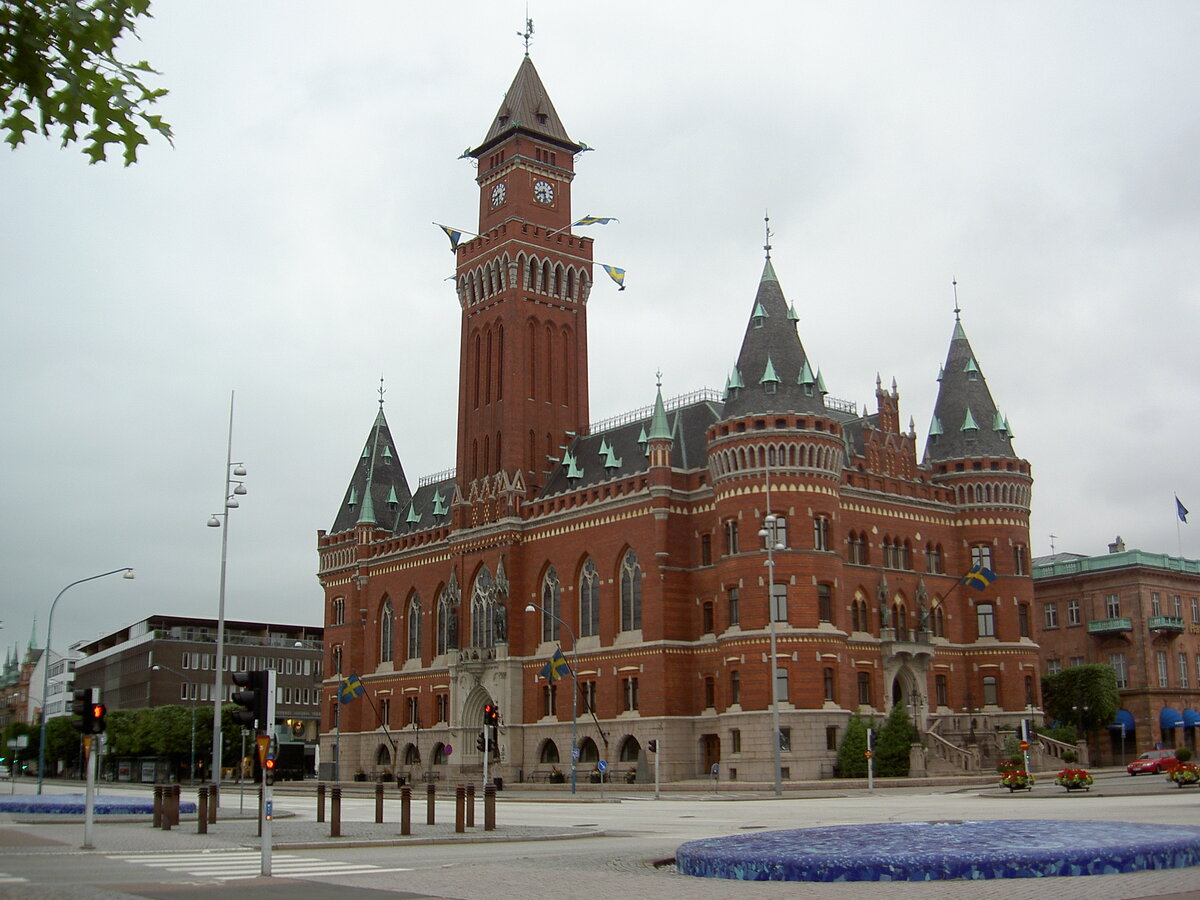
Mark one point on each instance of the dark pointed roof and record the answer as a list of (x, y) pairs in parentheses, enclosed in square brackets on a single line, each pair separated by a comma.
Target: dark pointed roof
[(773, 373), (378, 492), (526, 107), (966, 423)]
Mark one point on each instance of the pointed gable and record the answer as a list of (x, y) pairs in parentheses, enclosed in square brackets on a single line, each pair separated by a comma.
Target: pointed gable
[(963, 402), (378, 492), (772, 363), (526, 107)]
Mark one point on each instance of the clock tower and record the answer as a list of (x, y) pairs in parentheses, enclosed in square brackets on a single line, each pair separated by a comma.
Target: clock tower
[(523, 285)]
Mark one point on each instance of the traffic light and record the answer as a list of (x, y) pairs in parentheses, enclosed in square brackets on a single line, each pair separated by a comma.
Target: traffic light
[(81, 705), (652, 746), (479, 742), (252, 699), (491, 714), (269, 770), (97, 711)]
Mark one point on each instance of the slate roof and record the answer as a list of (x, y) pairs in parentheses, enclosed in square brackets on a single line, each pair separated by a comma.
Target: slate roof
[(966, 423), (773, 373), (378, 489), (526, 107)]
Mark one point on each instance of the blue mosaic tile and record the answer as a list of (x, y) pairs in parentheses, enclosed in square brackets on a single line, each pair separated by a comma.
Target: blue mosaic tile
[(929, 851), (73, 804)]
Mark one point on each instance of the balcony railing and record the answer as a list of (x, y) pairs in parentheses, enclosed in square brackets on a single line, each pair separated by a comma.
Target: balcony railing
[(1110, 626), (1165, 623)]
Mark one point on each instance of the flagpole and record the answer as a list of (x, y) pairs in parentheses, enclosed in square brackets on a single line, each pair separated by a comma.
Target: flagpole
[(530, 607)]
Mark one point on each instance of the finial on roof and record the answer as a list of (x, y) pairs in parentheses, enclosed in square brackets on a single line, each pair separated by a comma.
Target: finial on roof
[(954, 284), (658, 377), (381, 392), (528, 32), (767, 229)]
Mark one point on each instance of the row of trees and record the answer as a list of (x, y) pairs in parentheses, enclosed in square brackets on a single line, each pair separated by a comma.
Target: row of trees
[(160, 731)]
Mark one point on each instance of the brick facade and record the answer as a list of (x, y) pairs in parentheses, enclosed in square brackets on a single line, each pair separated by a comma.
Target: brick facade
[(655, 518)]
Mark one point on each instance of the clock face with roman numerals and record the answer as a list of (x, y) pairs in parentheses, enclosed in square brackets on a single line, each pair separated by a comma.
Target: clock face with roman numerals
[(543, 192), (498, 194)]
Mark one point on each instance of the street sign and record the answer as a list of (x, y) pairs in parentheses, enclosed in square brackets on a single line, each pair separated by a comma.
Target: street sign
[(447, 749), (715, 768), (574, 753), (602, 766), (264, 743)]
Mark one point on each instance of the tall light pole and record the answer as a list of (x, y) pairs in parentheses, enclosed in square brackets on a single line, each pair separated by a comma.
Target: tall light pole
[(233, 490), (183, 678), (127, 573), (770, 535), (531, 607)]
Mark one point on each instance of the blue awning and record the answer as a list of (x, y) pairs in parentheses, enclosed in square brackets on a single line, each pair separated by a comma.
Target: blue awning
[(1170, 718), (1123, 717), (1191, 718)]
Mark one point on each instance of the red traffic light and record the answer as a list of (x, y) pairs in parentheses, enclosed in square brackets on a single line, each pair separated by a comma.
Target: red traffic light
[(270, 763), (98, 710)]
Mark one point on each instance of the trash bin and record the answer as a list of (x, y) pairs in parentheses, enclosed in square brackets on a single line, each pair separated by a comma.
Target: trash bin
[(499, 782)]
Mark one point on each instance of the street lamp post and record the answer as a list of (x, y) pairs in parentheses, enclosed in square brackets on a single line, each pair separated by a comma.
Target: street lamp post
[(770, 536), (233, 490), (531, 607), (183, 678), (128, 573)]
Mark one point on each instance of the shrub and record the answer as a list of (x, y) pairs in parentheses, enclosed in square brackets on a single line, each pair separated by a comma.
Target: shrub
[(1183, 754), (851, 763)]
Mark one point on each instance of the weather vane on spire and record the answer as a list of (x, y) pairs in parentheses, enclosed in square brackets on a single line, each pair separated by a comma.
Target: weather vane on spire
[(528, 32), (767, 228), (381, 392), (954, 283)]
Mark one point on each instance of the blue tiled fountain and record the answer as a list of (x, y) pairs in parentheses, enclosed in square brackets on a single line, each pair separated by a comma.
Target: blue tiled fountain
[(72, 804), (929, 851)]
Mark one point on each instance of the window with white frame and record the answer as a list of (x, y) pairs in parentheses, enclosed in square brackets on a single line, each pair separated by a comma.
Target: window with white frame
[(1051, 615), (1183, 670), (1160, 659), (1112, 606), (1073, 614), (1120, 669)]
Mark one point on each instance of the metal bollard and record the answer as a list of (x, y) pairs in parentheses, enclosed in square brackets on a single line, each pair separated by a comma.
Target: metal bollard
[(489, 807), (470, 806), (405, 810), (335, 812), (214, 800), (379, 803), (430, 796), (202, 812), (158, 805), (460, 812), (321, 802)]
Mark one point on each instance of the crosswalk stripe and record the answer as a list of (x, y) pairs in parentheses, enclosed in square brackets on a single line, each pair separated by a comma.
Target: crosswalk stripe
[(12, 879), (225, 866)]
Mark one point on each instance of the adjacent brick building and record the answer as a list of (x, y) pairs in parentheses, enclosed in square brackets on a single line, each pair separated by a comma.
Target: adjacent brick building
[(1140, 613), (637, 540)]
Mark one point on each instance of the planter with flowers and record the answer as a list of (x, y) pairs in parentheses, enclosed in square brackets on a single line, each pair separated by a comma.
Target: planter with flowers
[(1075, 779), (1017, 780), (1184, 774)]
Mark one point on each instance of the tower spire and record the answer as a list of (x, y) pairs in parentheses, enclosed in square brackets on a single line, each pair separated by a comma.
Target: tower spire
[(767, 229), (528, 32)]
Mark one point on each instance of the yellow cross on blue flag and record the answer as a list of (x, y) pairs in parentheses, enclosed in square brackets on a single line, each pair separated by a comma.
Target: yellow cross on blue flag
[(351, 688), (616, 274), (556, 667), (594, 220), (455, 236), (979, 577)]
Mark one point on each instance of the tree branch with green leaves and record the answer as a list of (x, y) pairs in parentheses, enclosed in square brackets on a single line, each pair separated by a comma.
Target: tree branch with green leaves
[(59, 70)]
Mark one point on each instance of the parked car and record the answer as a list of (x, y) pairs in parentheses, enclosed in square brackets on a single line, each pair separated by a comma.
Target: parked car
[(1153, 762)]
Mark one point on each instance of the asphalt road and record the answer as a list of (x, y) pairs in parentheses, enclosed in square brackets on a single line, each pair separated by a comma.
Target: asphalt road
[(134, 860)]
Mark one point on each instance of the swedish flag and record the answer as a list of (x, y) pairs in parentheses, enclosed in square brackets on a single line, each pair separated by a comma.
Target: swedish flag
[(556, 667), (455, 236), (594, 220), (616, 274), (979, 577), (351, 688)]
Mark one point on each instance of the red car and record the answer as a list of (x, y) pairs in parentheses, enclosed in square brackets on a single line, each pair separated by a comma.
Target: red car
[(1153, 761)]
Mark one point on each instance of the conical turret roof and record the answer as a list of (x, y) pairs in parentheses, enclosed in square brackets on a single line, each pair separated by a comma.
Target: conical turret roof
[(526, 107), (773, 369), (378, 491), (966, 422)]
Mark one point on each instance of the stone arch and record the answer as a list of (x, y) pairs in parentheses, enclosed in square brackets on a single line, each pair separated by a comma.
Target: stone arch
[(548, 753), (629, 750), (588, 752), (412, 755), (472, 707), (383, 756)]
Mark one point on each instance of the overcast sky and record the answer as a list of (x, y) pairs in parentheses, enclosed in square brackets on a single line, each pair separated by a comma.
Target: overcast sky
[(1044, 154)]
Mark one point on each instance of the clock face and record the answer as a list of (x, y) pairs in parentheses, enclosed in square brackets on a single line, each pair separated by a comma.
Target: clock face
[(498, 194), (543, 192)]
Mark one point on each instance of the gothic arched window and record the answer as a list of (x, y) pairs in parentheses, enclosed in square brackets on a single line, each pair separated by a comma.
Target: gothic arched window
[(414, 627), (589, 600), (387, 632), (446, 622), (551, 604), (483, 611), (631, 593)]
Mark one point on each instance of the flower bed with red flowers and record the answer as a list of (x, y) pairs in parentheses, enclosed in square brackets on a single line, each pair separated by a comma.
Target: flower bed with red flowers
[(1075, 779)]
